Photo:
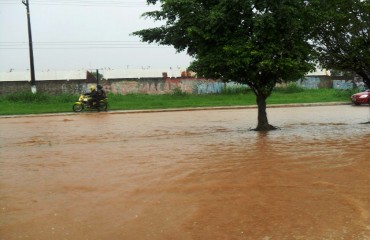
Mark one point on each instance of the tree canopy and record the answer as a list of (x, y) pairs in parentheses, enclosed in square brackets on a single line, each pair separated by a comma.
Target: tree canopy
[(259, 43), (341, 35)]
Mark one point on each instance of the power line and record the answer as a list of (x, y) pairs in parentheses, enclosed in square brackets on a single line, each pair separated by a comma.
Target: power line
[(83, 48), (78, 42), (89, 3), (80, 45)]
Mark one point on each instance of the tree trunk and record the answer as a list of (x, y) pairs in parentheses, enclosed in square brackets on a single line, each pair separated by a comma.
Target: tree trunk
[(365, 78), (367, 82), (263, 124)]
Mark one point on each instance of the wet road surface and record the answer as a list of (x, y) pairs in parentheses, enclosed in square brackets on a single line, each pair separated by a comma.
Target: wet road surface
[(187, 175)]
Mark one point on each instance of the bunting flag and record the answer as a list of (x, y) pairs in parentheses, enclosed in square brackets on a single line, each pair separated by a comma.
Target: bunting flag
[(90, 78)]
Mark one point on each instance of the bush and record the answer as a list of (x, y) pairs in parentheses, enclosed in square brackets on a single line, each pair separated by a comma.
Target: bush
[(178, 92), (345, 92), (64, 98), (235, 89), (291, 88), (26, 97)]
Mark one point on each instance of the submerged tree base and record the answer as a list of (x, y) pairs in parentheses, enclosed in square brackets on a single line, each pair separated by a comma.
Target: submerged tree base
[(265, 128)]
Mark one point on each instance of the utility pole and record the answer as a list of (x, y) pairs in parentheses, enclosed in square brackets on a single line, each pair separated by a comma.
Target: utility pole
[(97, 77), (33, 81)]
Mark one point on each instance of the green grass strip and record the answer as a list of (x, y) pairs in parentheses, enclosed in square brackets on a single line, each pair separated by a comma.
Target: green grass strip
[(28, 103)]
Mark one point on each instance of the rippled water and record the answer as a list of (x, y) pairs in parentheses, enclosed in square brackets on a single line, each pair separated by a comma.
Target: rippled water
[(187, 175)]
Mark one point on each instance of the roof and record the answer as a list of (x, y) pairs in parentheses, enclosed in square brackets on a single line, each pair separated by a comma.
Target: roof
[(81, 74)]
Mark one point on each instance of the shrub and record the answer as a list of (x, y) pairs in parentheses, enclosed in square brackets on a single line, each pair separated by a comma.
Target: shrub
[(235, 89), (291, 88), (26, 97), (345, 92), (65, 98), (178, 92)]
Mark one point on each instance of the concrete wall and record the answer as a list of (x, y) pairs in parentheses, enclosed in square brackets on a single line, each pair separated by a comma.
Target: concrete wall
[(336, 82), (315, 82), (162, 86), (349, 83), (157, 85), (121, 86), (51, 87)]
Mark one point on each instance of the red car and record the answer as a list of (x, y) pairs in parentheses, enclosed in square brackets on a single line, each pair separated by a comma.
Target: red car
[(361, 97)]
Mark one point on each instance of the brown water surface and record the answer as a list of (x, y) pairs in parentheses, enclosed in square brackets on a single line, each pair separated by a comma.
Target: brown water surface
[(187, 175)]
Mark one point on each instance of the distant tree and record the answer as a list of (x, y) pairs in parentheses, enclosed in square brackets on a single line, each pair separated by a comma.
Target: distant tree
[(342, 36), (101, 76), (255, 42)]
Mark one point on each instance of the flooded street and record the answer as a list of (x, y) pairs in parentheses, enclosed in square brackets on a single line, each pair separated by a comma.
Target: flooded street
[(191, 175)]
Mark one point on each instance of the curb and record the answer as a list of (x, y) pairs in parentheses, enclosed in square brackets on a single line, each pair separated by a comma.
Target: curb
[(181, 109)]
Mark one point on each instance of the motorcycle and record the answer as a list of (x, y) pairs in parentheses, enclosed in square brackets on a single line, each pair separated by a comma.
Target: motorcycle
[(84, 104)]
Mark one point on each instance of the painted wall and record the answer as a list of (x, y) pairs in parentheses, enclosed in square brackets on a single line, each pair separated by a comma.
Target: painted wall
[(157, 85), (336, 82), (121, 86), (343, 84), (315, 82)]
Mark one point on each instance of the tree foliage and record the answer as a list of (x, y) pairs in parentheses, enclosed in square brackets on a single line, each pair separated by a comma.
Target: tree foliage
[(341, 36), (256, 42)]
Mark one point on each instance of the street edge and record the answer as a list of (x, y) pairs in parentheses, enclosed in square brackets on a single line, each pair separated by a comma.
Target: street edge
[(179, 109)]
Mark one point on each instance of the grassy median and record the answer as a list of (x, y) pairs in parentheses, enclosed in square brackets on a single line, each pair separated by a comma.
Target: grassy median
[(28, 103)]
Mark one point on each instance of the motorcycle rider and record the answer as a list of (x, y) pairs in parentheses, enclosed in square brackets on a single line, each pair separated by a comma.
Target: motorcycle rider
[(94, 96), (101, 93)]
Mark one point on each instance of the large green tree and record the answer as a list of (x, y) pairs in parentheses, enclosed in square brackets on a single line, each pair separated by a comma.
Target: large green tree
[(255, 42), (342, 36)]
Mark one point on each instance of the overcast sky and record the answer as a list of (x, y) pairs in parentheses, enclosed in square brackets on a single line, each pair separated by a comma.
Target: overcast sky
[(81, 34)]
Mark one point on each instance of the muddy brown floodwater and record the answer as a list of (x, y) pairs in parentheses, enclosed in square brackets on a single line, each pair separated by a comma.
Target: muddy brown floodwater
[(187, 175)]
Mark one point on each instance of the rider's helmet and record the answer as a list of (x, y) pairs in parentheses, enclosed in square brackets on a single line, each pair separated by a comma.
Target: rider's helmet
[(99, 87), (92, 88)]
